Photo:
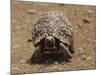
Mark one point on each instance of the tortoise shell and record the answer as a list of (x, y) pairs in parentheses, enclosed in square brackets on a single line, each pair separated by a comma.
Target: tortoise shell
[(52, 23)]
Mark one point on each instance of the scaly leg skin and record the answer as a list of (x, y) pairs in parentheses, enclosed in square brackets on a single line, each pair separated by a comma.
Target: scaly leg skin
[(66, 51), (36, 56), (71, 48)]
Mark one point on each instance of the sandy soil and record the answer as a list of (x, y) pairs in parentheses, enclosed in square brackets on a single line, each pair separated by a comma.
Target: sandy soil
[(26, 14)]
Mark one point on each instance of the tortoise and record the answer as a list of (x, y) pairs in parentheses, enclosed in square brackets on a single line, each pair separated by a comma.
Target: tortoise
[(53, 34)]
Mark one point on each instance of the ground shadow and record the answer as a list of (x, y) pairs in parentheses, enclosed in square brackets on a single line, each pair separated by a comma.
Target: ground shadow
[(48, 59)]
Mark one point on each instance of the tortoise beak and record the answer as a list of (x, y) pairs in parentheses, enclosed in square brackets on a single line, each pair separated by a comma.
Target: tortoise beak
[(49, 41)]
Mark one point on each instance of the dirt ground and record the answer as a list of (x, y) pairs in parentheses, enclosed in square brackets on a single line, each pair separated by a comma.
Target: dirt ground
[(26, 14)]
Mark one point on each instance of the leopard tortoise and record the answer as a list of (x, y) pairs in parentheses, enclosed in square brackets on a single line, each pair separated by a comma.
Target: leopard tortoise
[(53, 33)]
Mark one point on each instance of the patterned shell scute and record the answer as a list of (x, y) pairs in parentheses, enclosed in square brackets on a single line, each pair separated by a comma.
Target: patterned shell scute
[(54, 24)]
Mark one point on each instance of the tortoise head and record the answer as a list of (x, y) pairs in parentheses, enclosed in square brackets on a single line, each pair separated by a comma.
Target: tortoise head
[(49, 42)]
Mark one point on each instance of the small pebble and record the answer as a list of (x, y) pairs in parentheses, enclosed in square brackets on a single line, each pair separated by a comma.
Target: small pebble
[(81, 50), (29, 40), (32, 11), (55, 63), (88, 39), (55, 67), (63, 62), (22, 61), (79, 25), (86, 58), (89, 58), (83, 57), (86, 20), (89, 12)]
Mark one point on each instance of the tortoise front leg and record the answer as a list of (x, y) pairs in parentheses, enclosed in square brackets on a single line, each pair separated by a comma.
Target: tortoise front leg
[(36, 56), (67, 53)]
